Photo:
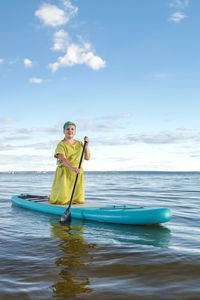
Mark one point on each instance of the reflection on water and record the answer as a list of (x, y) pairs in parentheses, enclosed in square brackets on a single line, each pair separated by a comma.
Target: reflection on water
[(73, 259), (155, 235), (77, 256)]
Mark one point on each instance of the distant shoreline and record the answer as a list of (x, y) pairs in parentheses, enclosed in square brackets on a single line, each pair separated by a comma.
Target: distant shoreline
[(117, 171)]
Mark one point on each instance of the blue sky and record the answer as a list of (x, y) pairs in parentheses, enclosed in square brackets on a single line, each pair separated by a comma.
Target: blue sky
[(126, 71)]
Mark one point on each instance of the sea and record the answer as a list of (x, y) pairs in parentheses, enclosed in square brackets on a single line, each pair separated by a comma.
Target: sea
[(41, 259)]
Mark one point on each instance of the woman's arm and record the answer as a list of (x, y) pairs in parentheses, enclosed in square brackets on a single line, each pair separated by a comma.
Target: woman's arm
[(67, 164), (87, 149)]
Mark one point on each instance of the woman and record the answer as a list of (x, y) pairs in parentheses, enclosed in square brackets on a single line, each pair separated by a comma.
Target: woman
[(68, 154)]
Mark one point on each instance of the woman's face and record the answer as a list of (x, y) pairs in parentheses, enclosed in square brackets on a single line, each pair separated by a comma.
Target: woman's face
[(70, 132)]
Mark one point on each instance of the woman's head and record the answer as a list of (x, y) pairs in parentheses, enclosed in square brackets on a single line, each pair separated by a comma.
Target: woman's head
[(69, 129), (68, 123)]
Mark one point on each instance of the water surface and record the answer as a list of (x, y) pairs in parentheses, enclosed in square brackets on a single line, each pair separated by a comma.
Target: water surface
[(40, 259)]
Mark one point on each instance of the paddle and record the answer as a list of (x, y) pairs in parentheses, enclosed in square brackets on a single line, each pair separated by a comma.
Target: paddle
[(66, 217)]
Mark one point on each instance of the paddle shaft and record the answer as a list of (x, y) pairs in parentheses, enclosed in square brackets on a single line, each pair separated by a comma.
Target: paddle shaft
[(75, 183)]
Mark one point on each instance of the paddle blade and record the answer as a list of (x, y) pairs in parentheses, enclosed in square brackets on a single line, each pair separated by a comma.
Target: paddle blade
[(66, 217)]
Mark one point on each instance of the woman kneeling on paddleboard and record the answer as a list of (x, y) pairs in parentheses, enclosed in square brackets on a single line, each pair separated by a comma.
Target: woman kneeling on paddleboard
[(68, 153)]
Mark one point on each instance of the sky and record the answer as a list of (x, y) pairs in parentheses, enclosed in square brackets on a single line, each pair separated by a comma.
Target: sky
[(126, 72)]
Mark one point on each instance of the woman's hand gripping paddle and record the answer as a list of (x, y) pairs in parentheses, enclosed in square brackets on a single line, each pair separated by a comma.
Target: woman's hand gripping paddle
[(66, 217)]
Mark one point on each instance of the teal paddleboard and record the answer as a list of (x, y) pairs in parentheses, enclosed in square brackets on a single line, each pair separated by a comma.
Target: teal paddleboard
[(119, 214)]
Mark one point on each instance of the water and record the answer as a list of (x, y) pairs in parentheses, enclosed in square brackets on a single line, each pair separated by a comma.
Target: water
[(40, 259)]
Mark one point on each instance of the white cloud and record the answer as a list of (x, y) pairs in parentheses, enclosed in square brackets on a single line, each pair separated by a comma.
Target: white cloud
[(27, 131), (181, 4), (70, 9), (105, 123), (51, 15), (116, 117), (7, 120), (160, 75), (14, 61), (85, 125), (77, 54), (61, 40), (28, 63), (36, 80), (160, 138), (36, 161), (1, 60), (4, 130), (164, 137), (180, 136), (177, 17)]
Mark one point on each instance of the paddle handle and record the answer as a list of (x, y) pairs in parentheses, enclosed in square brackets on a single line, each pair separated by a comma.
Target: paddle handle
[(75, 183)]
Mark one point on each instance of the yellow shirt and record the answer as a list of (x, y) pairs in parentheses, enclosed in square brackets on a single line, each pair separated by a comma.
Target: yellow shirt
[(64, 178)]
